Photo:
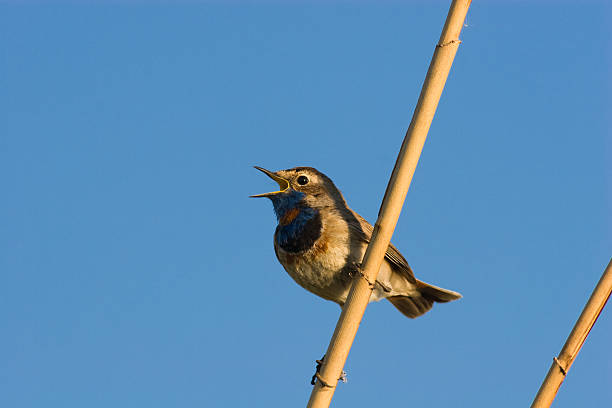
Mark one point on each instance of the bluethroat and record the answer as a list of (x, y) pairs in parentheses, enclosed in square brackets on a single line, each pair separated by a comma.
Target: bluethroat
[(320, 242)]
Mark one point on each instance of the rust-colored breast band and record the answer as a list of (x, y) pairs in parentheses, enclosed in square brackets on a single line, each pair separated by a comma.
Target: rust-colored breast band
[(289, 216)]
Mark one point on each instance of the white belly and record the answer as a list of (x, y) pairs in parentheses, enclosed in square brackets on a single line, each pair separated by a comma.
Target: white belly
[(320, 270), (325, 275)]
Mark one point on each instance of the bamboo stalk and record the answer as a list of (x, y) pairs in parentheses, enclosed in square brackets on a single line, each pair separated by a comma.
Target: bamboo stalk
[(406, 163), (561, 365)]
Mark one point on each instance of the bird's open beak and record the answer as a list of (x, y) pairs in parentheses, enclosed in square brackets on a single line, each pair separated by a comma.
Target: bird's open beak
[(283, 184)]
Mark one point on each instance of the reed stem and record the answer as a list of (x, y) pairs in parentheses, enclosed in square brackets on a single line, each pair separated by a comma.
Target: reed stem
[(406, 163), (561, 365)]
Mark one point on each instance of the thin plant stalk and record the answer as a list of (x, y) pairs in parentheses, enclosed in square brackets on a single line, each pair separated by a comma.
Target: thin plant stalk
[(406, 163), (561, 365)]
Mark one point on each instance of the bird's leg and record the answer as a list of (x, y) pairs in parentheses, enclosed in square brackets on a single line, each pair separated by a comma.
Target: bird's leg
[(317, 375), (356, 270)]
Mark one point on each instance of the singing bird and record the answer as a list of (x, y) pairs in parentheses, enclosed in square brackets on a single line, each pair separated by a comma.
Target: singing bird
[(320, 242)]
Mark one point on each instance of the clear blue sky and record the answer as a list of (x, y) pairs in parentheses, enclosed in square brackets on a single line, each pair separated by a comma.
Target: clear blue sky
[(135, 272)]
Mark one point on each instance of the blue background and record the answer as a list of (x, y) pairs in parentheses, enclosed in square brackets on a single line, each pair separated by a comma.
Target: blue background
[(134, 270)]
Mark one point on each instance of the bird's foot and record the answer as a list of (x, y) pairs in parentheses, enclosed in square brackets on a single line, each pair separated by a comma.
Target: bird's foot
[(317, 375)]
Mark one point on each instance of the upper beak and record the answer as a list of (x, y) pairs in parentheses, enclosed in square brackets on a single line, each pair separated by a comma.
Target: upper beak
[(283, 184)]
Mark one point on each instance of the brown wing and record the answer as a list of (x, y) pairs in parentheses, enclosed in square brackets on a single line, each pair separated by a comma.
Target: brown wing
[(363, 229)]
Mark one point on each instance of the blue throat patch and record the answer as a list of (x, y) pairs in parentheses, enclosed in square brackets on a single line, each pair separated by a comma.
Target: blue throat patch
[(299, 225)]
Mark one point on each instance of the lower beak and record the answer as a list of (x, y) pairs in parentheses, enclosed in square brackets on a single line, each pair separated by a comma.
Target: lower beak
[(283, 184)]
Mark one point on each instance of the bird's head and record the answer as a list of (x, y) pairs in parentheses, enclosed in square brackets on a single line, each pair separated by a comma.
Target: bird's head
[(301, 186)]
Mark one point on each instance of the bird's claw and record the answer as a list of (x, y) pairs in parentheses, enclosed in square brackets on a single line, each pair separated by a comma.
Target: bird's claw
[(313, 381), (317, 374)]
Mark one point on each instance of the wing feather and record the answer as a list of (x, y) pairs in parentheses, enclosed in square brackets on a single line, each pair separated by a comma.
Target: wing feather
[(363, 230)]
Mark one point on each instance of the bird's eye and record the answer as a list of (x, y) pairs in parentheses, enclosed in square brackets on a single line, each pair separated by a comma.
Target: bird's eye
[(302, 180)]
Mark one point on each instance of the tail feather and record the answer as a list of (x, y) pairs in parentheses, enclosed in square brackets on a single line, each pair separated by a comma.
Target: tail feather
[(415, 305), (435, 293), (411, 306)]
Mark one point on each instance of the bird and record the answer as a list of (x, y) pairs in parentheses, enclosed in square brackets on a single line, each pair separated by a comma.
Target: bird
[(321, 242)]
